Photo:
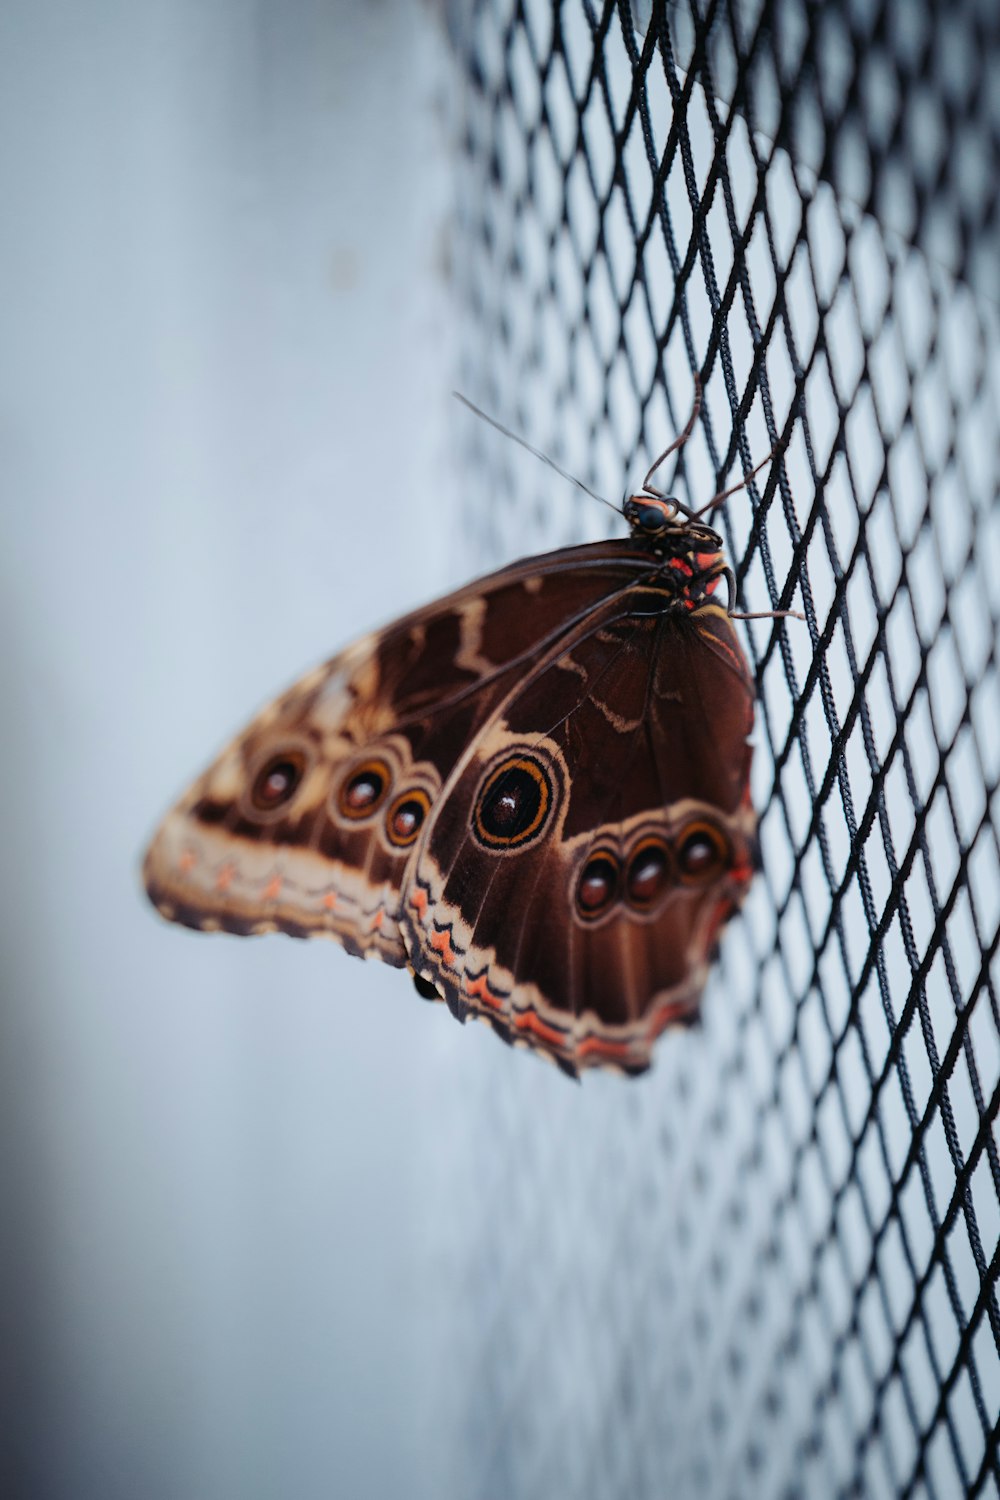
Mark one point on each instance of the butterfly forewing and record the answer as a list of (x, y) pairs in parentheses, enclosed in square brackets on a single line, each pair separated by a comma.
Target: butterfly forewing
[(306, 822)]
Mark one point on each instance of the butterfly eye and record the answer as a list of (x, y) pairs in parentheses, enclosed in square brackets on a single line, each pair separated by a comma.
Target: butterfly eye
[(648, 872), (364, 790), (406, 815), (513, 804), (597, 888), (277, 781), (702, 853), (649, 516)]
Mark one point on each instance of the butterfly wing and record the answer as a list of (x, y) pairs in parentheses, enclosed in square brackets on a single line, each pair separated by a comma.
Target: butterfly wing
[(592, 839), (310, 819)]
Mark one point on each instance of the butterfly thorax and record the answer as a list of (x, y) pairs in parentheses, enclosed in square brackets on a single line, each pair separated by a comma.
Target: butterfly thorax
[(689, 553)]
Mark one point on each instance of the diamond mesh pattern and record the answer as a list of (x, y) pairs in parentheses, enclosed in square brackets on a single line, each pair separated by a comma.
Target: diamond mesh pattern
[(770, 1267)]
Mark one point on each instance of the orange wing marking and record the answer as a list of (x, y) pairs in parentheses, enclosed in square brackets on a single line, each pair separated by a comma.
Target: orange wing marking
[(593, 1046), (224, 879), (273, 888), (330, 900), (478, 989), (187, 861), (441, 943), (529, 1021), (377, 919), (419, 902)]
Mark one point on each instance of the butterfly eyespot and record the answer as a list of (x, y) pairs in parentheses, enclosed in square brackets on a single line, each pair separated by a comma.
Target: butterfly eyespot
[(406, 815), (702, 853), (648, 872), (364, 790), (513, 804), (597, 888), (278, 780)]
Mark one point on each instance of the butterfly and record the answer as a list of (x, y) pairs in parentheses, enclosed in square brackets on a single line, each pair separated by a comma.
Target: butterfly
[(533, 793)]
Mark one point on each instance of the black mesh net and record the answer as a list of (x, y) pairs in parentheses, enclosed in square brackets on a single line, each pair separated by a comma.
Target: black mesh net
[(768, 1268)]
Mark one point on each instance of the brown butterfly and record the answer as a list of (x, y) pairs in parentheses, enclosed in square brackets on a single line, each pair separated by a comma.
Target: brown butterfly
[(534, 793)]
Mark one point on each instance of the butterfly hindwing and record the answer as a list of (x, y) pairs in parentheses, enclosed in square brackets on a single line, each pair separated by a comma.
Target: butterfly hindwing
[(592, 839)]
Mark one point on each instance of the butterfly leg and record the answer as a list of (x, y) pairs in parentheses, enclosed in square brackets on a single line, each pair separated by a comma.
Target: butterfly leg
[(763, 614), (730, 578)]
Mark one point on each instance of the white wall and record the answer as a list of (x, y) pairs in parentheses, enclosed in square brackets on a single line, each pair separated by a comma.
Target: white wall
[(224, 428)]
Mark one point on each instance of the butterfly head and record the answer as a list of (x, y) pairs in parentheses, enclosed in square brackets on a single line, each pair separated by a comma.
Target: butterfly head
[(664, 522)]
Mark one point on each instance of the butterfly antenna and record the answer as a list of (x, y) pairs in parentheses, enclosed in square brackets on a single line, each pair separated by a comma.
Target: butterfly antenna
[(537, 453), (678, 441)]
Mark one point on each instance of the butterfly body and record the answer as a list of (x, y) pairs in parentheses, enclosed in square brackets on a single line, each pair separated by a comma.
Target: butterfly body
[(534, 793)]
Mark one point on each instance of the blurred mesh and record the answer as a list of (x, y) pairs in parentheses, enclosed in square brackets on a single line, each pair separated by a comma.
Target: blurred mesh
[(769, 1267)]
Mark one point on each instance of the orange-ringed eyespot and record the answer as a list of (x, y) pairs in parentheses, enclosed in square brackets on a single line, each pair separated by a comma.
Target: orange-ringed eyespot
[(364, 789), (648, 872), (597, 887), (277, 780), (702, 851), (406, 815), (513, 804)]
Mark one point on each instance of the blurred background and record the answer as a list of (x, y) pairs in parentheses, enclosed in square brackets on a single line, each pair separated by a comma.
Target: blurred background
[(269, 1226), (225, 430)]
